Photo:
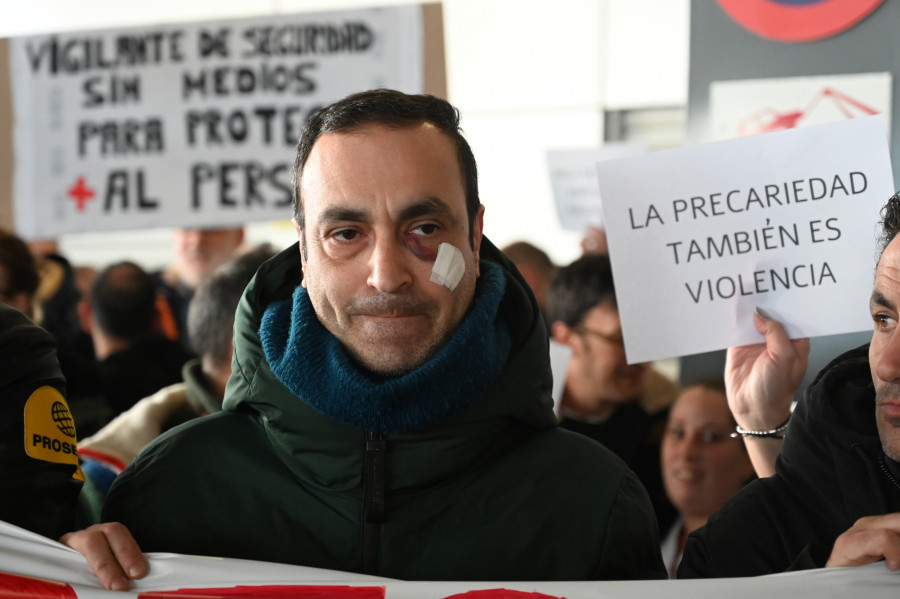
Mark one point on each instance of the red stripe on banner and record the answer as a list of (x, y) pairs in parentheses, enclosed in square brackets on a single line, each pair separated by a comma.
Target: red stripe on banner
[(13, 586), (266, 591), (501, 594), (798, 23)]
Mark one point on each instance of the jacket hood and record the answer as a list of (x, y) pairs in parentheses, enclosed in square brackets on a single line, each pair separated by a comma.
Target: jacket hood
[(519, 397), (833, 439)]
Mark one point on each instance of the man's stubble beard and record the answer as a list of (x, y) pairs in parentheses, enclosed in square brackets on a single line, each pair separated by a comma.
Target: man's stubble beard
[(886, 426)]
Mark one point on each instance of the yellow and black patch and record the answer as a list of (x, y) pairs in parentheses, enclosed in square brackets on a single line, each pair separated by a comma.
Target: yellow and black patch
[(50, 429)]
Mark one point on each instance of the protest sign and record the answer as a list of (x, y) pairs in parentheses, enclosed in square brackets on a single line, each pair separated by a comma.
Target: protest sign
[(188, 124), (785, 221), (573, 177)]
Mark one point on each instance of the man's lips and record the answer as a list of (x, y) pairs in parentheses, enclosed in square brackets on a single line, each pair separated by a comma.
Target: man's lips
[(891, 408)]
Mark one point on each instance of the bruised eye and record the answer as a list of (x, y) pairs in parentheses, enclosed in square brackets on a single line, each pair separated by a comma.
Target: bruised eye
[(426, 229)]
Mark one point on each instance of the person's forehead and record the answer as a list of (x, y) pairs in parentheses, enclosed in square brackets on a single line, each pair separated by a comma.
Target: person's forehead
[(887, 276), (408, 164), (376, 144)]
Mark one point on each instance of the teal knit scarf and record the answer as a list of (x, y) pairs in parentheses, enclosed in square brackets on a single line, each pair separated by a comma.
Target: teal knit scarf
[(311, 362)]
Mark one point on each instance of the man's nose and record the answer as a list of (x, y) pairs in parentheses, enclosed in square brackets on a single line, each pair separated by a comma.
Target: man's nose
[(389, 266), (888, 366)]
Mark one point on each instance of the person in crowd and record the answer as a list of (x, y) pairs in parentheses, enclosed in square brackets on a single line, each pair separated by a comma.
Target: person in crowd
[(210, 323), (389, 408), (834, 499), (623, 406), (62, 288), (133, 358), (535, 265), (38, 458), (702, 464), (198, 252), (57, 295), (19, 278)]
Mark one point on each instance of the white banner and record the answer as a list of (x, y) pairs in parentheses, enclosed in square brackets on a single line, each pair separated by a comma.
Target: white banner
[(190, 124), (63, 573), (700, 236)]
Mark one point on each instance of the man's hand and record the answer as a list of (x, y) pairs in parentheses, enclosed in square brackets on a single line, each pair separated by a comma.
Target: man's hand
[(869, 540), (111, 552), (761, 380)]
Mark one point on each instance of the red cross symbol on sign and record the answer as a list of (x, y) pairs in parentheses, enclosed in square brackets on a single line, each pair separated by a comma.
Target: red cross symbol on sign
[(80, 194)]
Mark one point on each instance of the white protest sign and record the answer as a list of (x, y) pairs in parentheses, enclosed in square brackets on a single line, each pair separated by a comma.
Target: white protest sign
[(190, 124), (785, 221), (573, 176)]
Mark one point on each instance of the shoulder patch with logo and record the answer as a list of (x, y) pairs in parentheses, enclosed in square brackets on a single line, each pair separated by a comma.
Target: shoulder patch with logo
[(50, 429)]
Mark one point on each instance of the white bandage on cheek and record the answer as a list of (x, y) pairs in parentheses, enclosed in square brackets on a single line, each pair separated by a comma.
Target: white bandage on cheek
[(449, 266)]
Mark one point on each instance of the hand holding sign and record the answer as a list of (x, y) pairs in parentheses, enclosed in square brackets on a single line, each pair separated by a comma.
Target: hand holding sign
[(761, 380)]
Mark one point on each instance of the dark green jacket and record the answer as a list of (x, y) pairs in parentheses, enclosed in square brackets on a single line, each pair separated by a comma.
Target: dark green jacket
[(498, 492)]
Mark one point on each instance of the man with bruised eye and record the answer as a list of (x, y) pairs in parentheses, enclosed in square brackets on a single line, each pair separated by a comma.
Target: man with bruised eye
[(389, 410)]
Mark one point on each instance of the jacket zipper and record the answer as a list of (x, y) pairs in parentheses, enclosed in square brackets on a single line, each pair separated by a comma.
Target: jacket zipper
[(887, 472), (374, 500)]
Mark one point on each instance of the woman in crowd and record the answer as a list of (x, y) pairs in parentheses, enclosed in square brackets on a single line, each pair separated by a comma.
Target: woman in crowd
[(702, 465)]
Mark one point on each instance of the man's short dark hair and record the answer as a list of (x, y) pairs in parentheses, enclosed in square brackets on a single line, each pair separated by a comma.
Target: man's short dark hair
[(579, 287), (123, 301), (392, 109), (18, 268), (211, 313), (890, 222)]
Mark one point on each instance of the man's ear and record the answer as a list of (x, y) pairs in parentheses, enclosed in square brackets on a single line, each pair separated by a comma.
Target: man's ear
[(561, 333), (477, 231), (568, 336), (302, 251)]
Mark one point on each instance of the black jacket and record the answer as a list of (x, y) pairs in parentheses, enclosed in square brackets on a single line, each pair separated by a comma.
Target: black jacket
[(38, 458), (496, 492), (831, 472)]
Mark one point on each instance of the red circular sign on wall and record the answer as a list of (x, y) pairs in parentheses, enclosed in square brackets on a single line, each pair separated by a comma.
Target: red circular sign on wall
[(798, 20)]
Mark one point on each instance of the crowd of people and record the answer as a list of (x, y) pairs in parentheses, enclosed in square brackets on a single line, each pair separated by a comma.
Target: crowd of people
[(377, 397)]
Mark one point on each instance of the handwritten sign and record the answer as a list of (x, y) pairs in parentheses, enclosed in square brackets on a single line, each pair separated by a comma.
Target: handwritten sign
[(573, 176), (785, 221), (190, 124)]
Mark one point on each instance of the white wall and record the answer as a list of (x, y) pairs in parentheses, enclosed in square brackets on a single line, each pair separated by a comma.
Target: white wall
[(526, 76)]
